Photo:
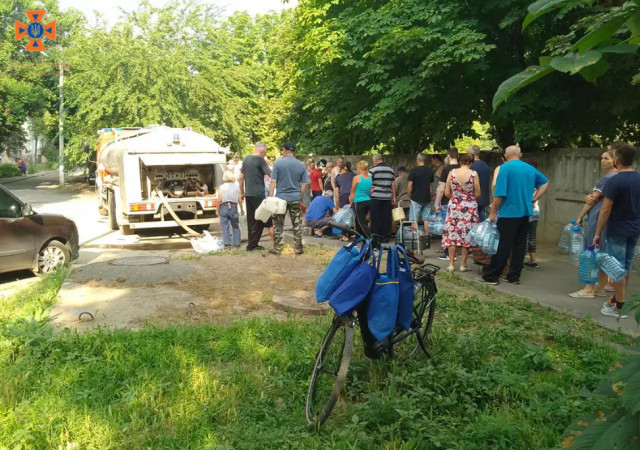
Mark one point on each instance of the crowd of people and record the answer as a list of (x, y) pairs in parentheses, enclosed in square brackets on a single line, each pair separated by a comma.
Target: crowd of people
[(458, 186)]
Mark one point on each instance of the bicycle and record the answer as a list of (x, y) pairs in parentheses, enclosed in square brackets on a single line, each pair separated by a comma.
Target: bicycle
[(332, 361)]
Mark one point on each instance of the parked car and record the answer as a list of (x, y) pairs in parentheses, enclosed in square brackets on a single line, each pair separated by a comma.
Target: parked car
[(43, 243)]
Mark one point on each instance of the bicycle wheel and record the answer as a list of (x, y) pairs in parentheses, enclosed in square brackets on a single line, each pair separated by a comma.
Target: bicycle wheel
[(330, 371), (424, 311)]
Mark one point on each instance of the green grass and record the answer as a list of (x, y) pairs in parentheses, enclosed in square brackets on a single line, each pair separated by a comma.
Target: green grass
[(506, 374)]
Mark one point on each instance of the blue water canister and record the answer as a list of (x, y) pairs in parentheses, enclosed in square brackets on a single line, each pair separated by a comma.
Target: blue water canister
[(576, 242), (588, 268), (490, 239), (565, 236), (610, 266)]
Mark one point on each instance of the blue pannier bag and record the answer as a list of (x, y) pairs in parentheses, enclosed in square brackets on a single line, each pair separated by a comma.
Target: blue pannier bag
[(339, 269), (407, 292), (355, 289), (383, 304)]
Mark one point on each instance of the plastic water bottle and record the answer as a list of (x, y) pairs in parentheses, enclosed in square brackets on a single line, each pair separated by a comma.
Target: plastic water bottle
[(436, 224), (565, 236), (588, 269), (471, 235), (635, 264), (243, 221), (576, 242), (536, 213), (610, 266), (491, 239)]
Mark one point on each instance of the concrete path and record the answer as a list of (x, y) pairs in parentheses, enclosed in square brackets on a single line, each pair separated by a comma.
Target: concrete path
[(548, 285)]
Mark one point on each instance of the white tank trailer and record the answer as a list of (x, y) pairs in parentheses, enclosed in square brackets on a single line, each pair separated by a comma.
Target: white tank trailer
[(143, 174)]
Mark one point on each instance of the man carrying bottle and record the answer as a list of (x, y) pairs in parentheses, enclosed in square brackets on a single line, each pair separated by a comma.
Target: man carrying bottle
[(620, 213)]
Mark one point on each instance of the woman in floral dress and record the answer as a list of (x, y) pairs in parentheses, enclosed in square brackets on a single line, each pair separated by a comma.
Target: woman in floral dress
[(463, 189)]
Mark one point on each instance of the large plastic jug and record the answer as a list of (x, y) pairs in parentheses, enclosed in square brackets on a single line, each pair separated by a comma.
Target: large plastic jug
[(490, 239), (576, 242), (276, 205), (262, 212), (536, 212), (588, 269), (610, 266), (565, 236), (436, 224)]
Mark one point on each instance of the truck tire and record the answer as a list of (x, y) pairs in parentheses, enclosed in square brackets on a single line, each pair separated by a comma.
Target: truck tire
[(113, 219), (126, 230)]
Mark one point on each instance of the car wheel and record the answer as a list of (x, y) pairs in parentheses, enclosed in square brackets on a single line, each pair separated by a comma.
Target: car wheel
[(53, 257)]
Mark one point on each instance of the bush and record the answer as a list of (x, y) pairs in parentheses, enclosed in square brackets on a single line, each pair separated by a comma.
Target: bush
[(9, 170), (31, 168)]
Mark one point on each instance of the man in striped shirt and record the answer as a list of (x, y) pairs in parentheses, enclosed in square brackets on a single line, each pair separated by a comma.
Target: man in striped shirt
[(383, 197)]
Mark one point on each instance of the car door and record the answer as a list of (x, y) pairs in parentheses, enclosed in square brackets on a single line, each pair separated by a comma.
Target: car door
[(17, 240)]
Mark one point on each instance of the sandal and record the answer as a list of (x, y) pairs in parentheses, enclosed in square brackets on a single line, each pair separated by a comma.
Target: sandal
[(581, 294)]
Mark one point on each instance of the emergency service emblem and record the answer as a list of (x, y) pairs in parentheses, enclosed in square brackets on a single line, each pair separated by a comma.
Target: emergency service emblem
[(35, 30)]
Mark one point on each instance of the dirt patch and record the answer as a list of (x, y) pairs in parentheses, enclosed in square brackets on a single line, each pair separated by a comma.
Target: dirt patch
[(196, 289), (243, 285)]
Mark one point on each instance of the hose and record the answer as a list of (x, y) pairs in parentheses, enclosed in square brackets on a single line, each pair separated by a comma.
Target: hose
[(175, 216)]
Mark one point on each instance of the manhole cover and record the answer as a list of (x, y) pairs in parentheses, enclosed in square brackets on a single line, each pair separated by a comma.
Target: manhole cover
[(140, 261)]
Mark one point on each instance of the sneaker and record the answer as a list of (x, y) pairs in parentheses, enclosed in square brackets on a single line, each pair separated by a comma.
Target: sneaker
[(533, 265), (483, 281), (611, 310), (256, 248), (299, 252), (274, 252), (464, 269), (446, 257), (510, 282), (451, 269)]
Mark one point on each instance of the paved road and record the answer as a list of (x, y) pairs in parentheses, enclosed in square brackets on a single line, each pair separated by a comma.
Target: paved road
[(76, 201)]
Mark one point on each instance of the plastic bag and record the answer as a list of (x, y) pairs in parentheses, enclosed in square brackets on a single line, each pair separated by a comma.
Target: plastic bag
[(344, 216), (207, 244)]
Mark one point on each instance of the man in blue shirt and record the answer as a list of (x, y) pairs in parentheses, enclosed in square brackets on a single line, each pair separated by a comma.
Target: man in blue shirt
[(290, 178), (316, 217), (620, 213), (513, 200)]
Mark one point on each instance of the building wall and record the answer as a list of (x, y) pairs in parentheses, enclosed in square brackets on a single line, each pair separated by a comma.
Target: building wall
[(572, 174)]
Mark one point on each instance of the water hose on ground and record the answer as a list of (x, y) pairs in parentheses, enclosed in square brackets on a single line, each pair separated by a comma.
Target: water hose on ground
[(175, 216)]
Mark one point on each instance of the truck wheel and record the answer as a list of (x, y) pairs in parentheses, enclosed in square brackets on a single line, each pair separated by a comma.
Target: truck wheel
[(126, 230), (113, 219)]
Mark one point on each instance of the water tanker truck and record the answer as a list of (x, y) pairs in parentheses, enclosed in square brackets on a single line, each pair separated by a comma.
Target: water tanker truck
[(158, 177)]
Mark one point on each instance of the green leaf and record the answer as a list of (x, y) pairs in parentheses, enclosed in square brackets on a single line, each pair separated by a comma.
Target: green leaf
[(593, 72), (587, 433), (603, 32), (545, 60), (518, 81), (634, 26), (542, 7), (619, 48), (574, 62), (631, 393)]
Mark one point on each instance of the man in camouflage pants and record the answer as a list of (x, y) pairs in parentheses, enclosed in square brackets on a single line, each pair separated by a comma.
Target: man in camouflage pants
[(289, 180)]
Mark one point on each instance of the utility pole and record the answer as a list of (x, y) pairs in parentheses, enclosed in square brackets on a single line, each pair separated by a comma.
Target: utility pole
[(61, 129)]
